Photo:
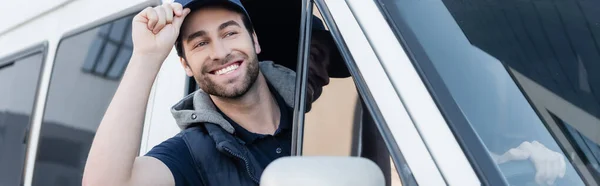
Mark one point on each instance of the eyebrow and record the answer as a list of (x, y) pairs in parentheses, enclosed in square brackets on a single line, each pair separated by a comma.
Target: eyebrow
[(195, 35), (228, 23), (203, 33)]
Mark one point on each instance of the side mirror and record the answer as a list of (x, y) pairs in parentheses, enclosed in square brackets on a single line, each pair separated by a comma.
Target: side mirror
[(322, 171)]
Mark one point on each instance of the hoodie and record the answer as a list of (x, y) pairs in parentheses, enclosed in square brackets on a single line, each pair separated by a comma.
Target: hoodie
[(197, 107)]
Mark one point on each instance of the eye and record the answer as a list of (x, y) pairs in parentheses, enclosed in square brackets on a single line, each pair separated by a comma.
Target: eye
[(230, 34), (201, 43)]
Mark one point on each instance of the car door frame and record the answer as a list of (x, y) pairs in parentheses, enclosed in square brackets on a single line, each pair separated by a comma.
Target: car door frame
[(415, 155)]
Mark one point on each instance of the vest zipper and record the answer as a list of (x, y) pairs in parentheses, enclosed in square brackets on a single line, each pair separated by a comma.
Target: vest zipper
[(245, 161)]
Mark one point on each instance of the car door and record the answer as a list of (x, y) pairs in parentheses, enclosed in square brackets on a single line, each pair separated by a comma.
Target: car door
[(502, 73), (379, 123)]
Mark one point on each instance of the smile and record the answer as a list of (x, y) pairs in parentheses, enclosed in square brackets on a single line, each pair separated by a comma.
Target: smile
[(227, 69)]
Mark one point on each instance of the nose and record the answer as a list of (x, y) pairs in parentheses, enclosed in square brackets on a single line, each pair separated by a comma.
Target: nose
[(219, 51)]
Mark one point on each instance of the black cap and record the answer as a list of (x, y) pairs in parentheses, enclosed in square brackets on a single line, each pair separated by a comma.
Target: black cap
[(194, 4), (283, 49), (337, 67)]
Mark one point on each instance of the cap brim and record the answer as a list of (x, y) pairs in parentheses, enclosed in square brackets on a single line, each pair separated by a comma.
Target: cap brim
[(196, 4)]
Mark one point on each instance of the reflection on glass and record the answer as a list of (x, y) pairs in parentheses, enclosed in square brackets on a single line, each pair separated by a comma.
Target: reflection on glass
[(588, 147), (18, 85), (111, 49), (548, 46), (85, 75), (105, 60)]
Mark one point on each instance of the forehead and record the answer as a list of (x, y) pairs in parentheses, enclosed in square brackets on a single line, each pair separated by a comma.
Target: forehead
[(208, 19)]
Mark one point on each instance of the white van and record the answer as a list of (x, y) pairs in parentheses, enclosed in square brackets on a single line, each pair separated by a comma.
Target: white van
[(438, 88)]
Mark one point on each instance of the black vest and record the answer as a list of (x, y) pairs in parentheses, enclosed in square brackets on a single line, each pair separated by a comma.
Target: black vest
[(219, 158)]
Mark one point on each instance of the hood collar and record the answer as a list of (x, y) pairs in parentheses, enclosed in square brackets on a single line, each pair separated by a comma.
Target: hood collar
[(197, 107)]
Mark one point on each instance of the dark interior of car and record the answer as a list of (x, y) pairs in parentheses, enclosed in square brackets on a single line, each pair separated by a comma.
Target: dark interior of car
[(277, 25)]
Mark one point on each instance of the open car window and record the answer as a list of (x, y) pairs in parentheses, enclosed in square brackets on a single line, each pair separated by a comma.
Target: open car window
[(343, 120)]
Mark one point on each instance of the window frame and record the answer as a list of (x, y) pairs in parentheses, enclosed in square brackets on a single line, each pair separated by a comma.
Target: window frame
[(301, 77), (408, 85), (472, 146), (366, 98), (8, 60), (110, 18), (380, 118), (41, 47)]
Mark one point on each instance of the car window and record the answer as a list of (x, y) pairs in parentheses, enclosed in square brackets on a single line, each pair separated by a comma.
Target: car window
[(86, 72), (509, 65), (19, 78)]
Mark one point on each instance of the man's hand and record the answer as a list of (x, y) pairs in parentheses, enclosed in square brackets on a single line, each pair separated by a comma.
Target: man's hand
[(155, 29), (549, 165)]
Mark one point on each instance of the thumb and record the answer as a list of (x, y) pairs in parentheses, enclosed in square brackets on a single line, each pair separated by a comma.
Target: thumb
[(178, 20)]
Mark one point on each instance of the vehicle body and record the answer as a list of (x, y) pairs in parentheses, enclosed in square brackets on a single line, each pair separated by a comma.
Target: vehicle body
[(430, 81)]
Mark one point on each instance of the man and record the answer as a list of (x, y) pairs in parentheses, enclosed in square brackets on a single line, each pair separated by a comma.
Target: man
[(238, 122)]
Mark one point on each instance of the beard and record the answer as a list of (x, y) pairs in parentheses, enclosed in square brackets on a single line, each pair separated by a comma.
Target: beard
[(230, 89)]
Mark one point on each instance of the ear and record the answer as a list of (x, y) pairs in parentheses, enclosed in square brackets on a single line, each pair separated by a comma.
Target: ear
[(256, 45), (186, 67)]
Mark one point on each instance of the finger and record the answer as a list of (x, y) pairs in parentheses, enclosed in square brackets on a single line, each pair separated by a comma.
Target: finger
[(168, 13), (142, 16), (547, 173), (152, 18), (177, 8), (553, 172), (177, 21), (161, 19), (540, 174), (538, 178)]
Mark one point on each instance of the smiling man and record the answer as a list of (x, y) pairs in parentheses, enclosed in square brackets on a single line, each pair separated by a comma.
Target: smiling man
[(232, 128)]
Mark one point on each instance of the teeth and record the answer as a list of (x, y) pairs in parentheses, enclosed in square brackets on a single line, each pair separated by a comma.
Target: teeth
[(227, 69)]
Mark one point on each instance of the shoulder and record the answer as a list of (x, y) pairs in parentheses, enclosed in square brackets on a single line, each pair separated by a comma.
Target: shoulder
[(179, 143), (172, 149), (174, 153)]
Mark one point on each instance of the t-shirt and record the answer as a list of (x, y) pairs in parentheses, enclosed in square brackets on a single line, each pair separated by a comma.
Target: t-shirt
[(174, 154), (264, 147)]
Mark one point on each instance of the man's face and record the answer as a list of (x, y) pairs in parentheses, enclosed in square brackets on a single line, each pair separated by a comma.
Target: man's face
[(219, 52), (318, 64)]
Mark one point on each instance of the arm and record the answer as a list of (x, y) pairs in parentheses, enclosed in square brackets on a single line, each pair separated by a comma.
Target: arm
[(112, 159)]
